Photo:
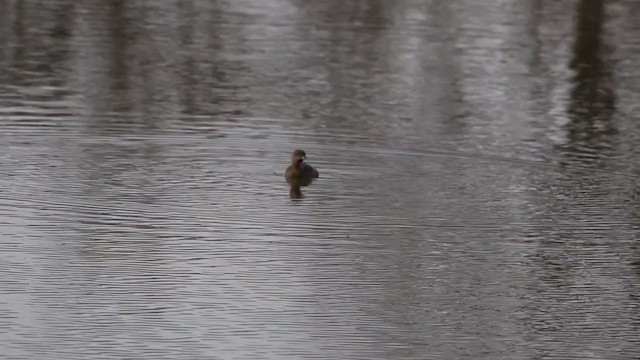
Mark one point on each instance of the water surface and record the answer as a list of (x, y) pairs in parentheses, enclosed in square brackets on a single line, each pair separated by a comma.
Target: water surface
[(477, 195)]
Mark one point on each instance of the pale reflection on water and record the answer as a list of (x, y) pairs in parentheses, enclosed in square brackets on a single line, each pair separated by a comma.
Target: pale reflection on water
[(477, 198)]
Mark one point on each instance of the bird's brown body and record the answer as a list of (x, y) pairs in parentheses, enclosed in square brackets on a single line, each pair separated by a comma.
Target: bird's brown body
[(300, 171)]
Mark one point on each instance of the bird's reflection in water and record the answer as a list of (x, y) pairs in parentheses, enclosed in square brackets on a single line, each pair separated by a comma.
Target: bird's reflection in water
[(295, 191)]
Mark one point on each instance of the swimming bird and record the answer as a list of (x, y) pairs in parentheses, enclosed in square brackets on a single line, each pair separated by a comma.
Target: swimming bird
[(299, 171)]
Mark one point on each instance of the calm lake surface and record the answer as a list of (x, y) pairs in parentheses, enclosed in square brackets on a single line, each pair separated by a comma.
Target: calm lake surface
[(478, 196)]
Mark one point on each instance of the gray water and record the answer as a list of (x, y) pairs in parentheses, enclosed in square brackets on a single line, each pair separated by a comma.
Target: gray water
[(478, 194)]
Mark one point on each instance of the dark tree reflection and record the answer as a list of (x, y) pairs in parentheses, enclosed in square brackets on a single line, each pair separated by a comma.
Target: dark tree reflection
[(120, 34), (592, 101)]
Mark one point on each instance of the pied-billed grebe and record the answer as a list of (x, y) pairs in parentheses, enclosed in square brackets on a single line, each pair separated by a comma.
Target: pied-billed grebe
[(300, 170)]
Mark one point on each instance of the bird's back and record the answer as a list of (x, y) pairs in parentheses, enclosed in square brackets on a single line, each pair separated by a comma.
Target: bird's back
[(304, 171), (308, 171)]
